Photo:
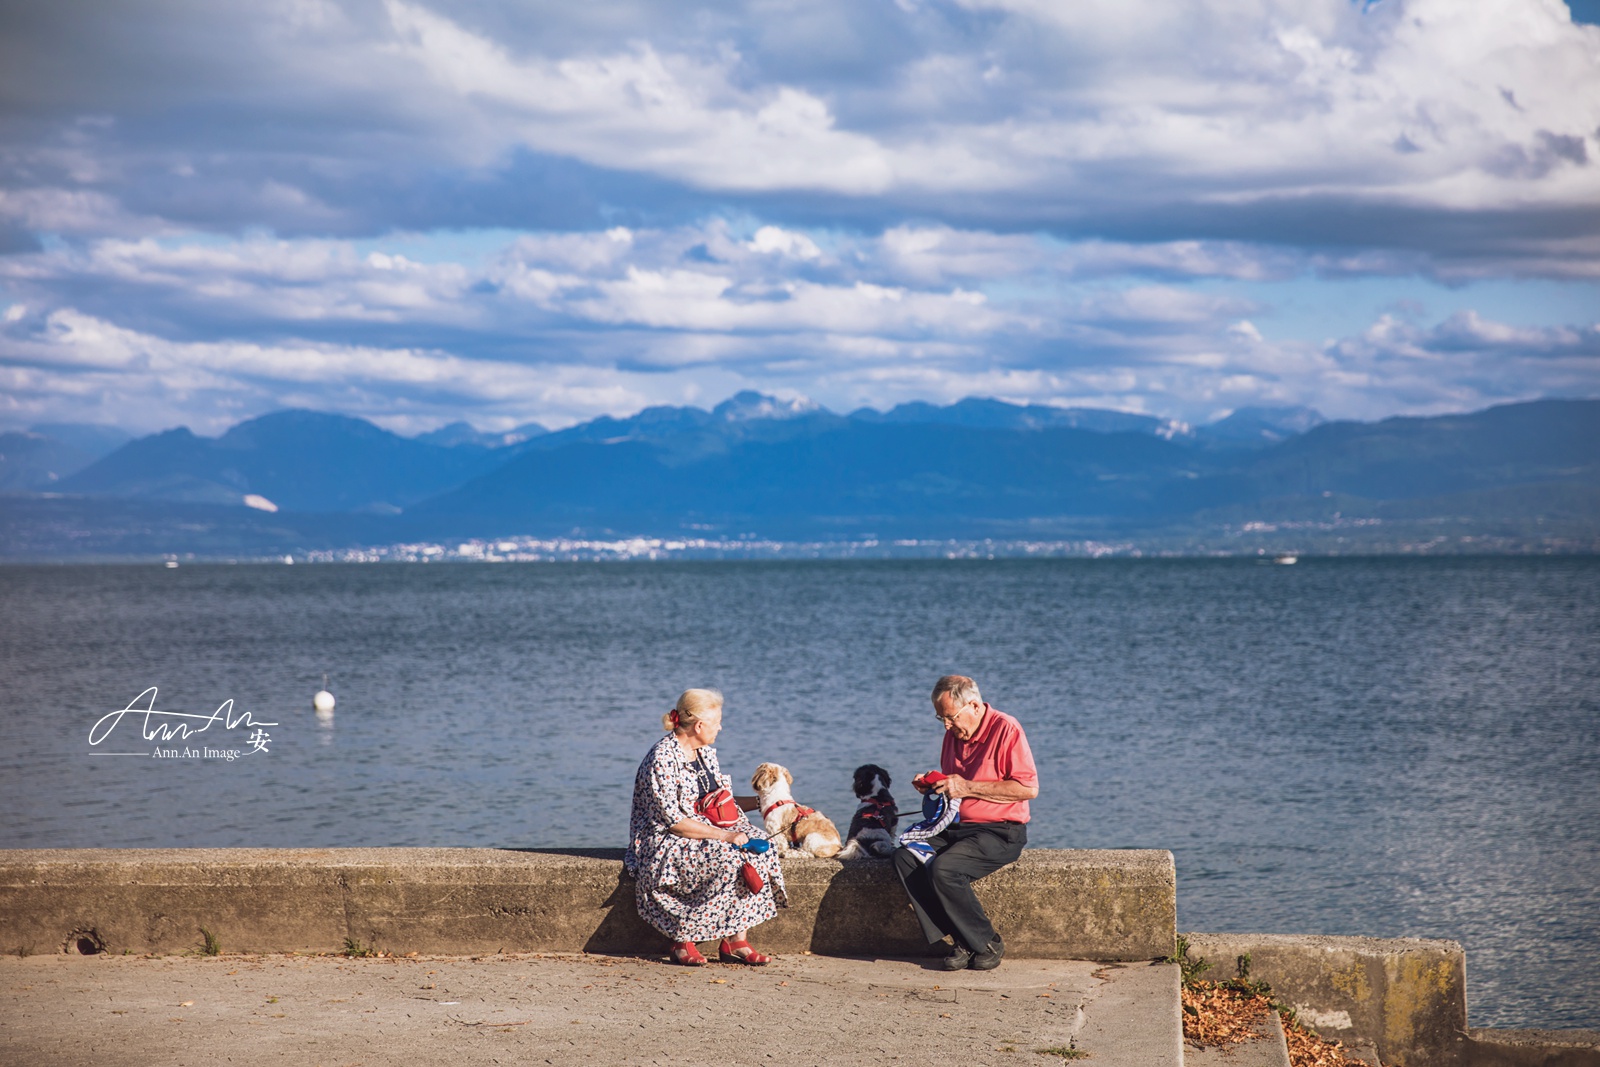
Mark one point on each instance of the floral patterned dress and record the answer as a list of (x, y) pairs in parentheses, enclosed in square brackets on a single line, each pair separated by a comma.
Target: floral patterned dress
[(691, 890)]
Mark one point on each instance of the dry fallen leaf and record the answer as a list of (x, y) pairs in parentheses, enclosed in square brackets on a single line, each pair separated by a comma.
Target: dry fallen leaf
[(1214, 1015), (1307, 1049), (187, 1004)]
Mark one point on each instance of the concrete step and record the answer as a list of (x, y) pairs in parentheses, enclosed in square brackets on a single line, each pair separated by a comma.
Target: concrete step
[(1533, 1048), (1267, 1049), (582, 1011), (1135, 1016)]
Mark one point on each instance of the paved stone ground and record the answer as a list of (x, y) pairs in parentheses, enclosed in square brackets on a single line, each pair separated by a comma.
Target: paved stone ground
[(578, 1010)]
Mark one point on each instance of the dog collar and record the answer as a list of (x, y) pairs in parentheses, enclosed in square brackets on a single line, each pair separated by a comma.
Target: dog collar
[(775, 805)]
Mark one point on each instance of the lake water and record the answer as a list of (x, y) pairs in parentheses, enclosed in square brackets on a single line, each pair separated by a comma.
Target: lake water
[(1392, 747)]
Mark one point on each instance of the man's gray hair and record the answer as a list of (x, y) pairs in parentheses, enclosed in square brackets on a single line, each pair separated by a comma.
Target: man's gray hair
[(958, 688)]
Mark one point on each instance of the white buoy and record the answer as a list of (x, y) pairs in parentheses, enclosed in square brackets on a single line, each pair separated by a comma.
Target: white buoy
[(323, 700)]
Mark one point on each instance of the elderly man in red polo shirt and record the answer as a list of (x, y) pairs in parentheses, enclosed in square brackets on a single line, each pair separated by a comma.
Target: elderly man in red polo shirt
[(987, 765)]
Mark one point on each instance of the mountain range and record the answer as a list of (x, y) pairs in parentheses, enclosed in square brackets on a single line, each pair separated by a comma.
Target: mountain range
[(37, 458), (760, 466)]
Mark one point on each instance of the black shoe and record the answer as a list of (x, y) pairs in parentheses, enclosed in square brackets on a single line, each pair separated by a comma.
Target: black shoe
[(989, 958), (958, 960)]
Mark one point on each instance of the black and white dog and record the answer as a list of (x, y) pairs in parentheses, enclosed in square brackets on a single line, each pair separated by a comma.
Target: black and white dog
[(872, 826)]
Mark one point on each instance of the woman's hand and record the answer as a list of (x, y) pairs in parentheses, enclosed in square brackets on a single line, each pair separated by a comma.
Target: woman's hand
[(738, 837)]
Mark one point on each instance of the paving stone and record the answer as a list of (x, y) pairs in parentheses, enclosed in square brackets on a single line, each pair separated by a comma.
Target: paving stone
[(589, 1010)]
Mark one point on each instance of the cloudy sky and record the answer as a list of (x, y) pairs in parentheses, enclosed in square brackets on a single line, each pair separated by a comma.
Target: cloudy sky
[(418, 212)]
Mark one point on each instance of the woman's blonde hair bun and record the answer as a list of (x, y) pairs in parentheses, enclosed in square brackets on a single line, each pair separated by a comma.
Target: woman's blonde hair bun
[(692, 706)]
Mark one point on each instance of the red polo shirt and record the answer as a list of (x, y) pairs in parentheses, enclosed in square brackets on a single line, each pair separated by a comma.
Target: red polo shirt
[(998, 751)]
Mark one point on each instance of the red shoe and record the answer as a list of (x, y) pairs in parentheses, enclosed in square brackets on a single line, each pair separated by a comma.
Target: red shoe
[(741, 952), (687, 953)]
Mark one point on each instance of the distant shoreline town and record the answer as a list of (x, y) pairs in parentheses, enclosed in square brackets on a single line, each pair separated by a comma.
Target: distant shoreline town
[(652, 549)]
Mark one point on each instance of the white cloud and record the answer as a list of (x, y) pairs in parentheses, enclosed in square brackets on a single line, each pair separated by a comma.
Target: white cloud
[(146, 382), (45, 209), (1465, 335), (1424, 102), (775, 239), (686, 299), (638, 109), (1245, 330), (295, 281), (1154, 307)]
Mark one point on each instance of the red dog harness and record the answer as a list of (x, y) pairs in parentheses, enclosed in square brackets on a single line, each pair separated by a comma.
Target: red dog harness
[(873, 811), (800, 812)]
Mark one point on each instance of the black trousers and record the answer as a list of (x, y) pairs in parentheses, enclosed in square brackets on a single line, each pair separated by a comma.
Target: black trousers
[(941, 889)]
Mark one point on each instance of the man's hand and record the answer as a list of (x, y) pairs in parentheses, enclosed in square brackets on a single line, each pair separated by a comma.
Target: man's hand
[(1005, 791)]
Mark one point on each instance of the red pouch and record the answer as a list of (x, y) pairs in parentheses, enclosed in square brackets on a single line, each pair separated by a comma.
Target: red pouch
[(718, 808), (752, 877)]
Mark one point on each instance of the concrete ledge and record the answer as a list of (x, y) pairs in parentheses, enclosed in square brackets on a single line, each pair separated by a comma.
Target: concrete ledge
[(1089, 904), (1401, 1000), (1533, 1048)]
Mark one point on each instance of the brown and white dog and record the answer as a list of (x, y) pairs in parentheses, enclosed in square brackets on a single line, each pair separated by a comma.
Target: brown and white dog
[(792, 826)]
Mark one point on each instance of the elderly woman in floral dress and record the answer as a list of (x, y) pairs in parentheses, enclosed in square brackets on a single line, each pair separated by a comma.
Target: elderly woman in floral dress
[(688, 870)]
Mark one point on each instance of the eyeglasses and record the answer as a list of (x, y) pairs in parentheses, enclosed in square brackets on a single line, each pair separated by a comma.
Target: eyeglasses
[(953, 713)]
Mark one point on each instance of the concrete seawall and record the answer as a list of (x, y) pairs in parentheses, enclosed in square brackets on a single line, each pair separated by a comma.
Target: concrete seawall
[(1403, 1000), (1088, 904)]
